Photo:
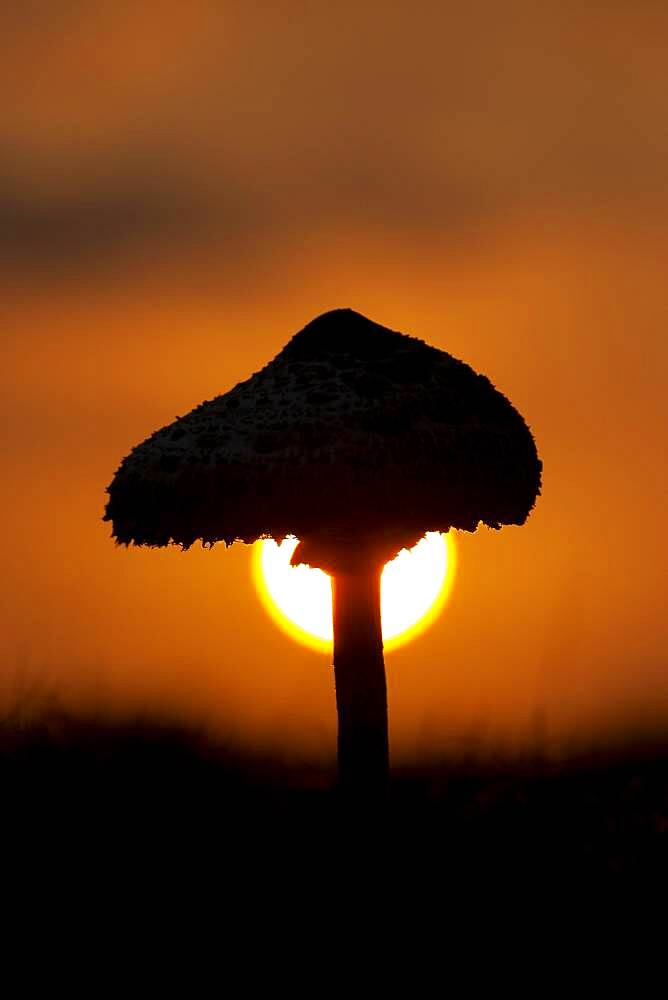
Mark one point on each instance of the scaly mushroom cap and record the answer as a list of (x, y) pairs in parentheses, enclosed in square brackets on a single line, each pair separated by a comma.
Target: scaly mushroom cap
[(353, 432)]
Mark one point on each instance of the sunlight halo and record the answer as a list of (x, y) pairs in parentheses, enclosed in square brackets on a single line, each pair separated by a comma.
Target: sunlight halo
[(414, 588)]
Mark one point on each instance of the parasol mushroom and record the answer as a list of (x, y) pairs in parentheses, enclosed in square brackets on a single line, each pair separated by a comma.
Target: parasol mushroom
[(357, 440)]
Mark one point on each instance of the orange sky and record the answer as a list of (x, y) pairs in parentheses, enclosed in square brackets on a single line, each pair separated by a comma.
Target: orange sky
[(180, 193)]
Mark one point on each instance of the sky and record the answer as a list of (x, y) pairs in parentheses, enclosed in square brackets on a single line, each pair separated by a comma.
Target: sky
[(183, 187)]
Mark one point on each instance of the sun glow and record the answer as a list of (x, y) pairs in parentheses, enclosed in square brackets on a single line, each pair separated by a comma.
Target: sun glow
[(414, 588)]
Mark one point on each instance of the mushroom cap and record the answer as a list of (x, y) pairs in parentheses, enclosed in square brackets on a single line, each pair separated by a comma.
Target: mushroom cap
[(353, 431)]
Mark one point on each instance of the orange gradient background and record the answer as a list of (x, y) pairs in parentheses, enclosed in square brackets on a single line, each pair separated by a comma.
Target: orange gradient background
[(184, 188)]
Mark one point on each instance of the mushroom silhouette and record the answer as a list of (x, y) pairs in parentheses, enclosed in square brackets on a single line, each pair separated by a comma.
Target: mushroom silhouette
[(356, 440)]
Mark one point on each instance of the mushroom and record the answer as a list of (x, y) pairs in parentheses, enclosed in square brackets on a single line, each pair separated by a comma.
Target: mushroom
[(357, 440)]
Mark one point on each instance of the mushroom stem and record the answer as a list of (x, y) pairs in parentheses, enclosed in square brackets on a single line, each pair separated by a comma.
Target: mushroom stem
[(361, 692)]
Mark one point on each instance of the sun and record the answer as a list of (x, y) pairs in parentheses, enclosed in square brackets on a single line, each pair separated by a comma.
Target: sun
[(413, 588)]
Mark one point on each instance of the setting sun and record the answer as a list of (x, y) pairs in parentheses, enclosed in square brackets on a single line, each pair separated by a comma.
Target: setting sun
[(414, 589)]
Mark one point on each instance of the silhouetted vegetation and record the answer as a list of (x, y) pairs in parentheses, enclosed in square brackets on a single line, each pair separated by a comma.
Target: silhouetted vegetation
[(98, 796)]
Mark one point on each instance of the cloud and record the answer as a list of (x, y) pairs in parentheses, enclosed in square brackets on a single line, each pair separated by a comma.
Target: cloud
[(90, 227), (147, 127)]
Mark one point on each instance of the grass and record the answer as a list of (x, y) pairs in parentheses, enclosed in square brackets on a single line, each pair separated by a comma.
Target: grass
[(93, 795)]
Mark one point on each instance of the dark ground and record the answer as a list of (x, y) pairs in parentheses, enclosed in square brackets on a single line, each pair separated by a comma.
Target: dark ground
[(143, 799)]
